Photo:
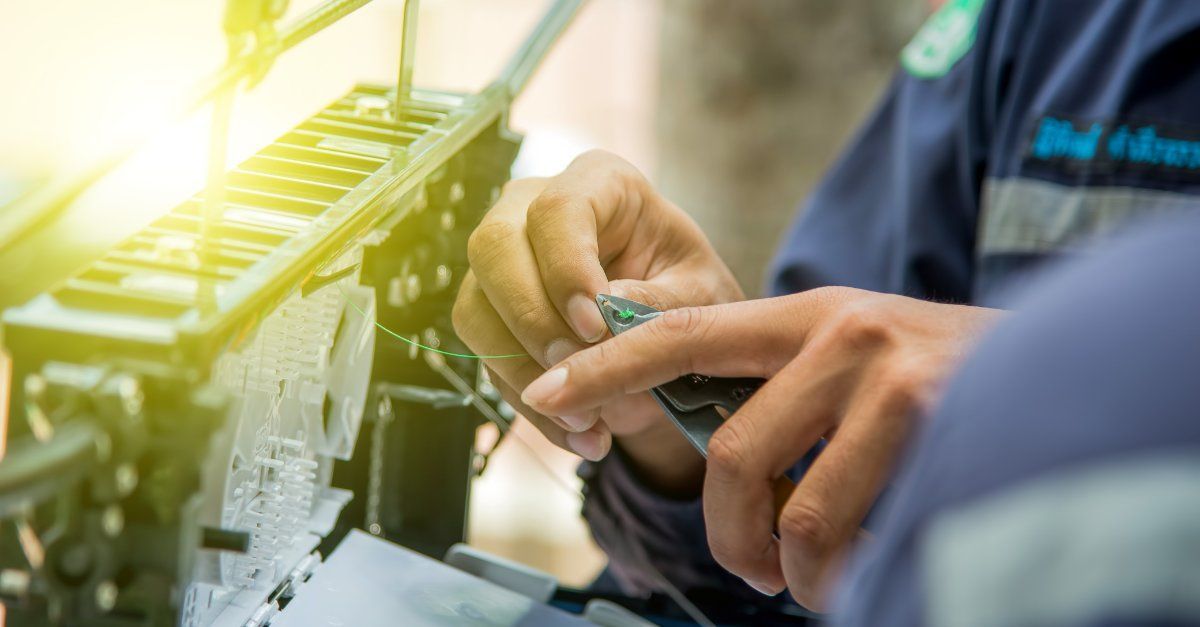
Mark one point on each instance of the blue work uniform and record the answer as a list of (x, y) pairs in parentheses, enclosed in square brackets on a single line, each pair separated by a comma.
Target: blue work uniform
[(1043, 127), (1058, 482)]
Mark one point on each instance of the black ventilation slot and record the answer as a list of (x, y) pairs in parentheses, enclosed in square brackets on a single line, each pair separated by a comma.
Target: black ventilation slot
[(184, 250), (187, 220), (94, 295), (273, 201), (359, 131), (427, 115), (265, 218), (330, 175), (387, 126), (128, 263), (320, 156), (290, 187)]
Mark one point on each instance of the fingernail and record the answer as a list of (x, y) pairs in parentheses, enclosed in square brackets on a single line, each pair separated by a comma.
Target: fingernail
[(585, 318), (560, 349), (544, 387), (589, 445), (578, 423), (762, 588)]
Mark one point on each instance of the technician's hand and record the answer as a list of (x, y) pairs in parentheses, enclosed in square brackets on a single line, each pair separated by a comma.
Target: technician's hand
[(539, 258), (851, 366)]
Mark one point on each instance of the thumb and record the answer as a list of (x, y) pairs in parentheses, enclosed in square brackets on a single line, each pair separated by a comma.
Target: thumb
[(661, 292)]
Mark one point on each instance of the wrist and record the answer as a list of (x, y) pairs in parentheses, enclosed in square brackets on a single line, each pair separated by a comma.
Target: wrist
[(664, 461)]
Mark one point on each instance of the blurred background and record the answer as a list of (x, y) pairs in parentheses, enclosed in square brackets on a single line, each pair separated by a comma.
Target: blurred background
[(733, 109)]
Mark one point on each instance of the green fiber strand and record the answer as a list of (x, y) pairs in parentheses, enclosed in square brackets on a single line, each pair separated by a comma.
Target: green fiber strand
[(627, 314), (418, 344)]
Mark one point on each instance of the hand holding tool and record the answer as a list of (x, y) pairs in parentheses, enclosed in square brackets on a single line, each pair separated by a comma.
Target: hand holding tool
[(691, 402)]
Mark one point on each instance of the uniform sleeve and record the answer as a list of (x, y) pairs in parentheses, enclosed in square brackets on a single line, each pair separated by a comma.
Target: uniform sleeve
[(1058, 482), (897, 211), (646, 535)]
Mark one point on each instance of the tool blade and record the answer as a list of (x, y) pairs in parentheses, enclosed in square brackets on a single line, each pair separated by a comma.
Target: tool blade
[(622, 314), (698, 425)]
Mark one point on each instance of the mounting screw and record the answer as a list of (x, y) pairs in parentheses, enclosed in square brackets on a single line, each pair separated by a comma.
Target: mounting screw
[(126, 479), (421, 201), (412, 287), (395, 292), (106, 596), (112, 521), (442, 277), (130, 392)]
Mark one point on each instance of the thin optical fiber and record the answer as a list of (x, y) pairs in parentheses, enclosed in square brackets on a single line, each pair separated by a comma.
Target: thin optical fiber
[(420, 345)]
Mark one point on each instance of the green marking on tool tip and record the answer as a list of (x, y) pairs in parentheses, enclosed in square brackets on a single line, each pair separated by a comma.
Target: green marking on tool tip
[(626, 314)]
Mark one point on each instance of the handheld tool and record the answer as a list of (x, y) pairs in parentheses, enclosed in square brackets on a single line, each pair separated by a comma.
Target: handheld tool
[(691, 401)]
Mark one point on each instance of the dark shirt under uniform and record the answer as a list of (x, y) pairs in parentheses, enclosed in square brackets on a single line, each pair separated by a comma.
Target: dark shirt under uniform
[(1060, 121)]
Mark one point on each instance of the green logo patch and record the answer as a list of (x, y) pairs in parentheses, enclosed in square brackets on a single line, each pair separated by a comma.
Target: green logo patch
[(943, 40)]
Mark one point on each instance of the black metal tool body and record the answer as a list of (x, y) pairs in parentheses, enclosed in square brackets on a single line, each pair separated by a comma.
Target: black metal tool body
[(691, 401)]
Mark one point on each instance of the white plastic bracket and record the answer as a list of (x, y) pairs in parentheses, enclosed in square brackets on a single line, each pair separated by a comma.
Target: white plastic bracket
[(505, 573)]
